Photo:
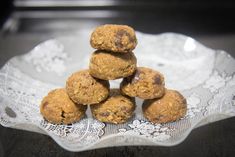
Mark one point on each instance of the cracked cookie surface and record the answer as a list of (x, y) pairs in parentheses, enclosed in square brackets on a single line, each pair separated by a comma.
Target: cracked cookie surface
[(84, 89), (171, 107), (116, 109), (115, 38), (145, 83), (109, 66), (58, 108)]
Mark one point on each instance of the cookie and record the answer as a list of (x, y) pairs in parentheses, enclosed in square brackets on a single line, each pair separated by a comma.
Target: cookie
[(116, 109), (145, 83), (82, 88), (109, 66), (58, 108), (115, 38), (171, 107)]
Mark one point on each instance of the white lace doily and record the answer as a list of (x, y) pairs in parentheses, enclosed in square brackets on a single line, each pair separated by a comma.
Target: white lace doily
[(204, 76)]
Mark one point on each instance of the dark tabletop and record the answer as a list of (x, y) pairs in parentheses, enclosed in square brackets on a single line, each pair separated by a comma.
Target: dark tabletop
[(212, 26)]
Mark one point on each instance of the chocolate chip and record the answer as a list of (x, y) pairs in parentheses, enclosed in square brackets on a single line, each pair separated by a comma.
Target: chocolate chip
[(157, 80), (123, 108), (63, 114), (127, 80), (104, 114), (136, 77), (158, 117), (45, 104), (119, 35), (118, 41), (131, 39)]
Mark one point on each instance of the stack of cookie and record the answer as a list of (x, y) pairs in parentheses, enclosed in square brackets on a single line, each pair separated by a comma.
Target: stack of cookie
[(113, 59)]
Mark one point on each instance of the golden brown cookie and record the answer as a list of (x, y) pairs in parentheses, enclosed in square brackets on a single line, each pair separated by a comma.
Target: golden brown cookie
[(58, 108), (115, 38), (171, 107), (116, 109), (145, 83), (109, 66), (83, 89)]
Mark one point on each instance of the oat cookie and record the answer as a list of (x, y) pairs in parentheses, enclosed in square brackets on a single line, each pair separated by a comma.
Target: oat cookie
[(145, 83), (116, 109), (58, 108), (115, 38), (171, 107), (82, 88), (109, 66)]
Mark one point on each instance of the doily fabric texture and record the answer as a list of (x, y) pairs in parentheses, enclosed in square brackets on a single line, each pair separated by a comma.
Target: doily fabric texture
[(204, 76)]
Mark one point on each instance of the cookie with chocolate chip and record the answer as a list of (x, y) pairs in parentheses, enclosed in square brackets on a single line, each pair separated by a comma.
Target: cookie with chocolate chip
[(145, 83), (114, 38), (84, 89), (116, 109), (109, 66), (171, 107), (58, 108)]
